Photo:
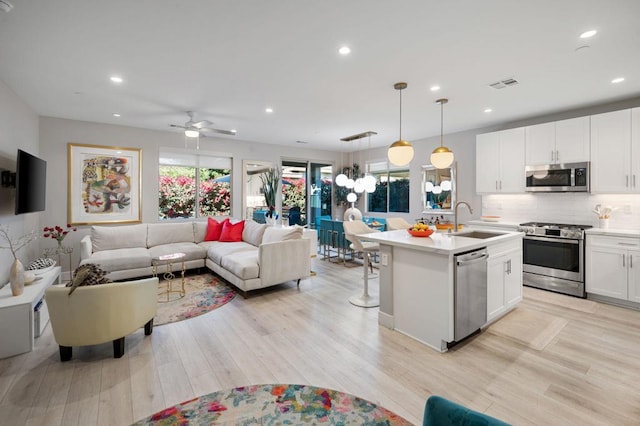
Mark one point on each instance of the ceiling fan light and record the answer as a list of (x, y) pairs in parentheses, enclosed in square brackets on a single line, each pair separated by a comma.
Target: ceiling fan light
[(400, 153), (441, 157), (190, 133)]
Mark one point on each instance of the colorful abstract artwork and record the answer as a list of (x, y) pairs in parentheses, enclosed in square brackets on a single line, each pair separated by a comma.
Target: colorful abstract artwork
[(104, 184)]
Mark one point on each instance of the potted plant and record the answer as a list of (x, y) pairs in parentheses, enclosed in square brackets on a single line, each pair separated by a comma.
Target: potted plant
[(270, 180)]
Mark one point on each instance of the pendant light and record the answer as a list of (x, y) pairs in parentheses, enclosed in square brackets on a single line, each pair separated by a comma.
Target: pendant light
[(341, 179), (369, 180), (441, 157), (400, 153)]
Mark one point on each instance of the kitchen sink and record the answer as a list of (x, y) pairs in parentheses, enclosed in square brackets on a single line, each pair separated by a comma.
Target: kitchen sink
[(482, 235)]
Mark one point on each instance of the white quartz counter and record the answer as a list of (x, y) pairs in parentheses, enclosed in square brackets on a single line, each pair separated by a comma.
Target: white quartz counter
[(440, 243), (614, 232)]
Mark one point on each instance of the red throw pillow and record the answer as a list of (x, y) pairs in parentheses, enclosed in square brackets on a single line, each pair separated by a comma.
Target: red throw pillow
[(231, 232), (214, 229)]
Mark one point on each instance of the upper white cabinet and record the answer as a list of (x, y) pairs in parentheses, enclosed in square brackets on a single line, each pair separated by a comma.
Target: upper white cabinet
[(565, 141), (615, 154), (500, 161)]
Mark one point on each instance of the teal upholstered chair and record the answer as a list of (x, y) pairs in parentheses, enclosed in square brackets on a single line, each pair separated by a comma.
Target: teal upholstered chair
[(439, 411)]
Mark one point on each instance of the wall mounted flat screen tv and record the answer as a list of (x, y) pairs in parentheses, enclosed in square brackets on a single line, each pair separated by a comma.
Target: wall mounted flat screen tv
[(31, 183)]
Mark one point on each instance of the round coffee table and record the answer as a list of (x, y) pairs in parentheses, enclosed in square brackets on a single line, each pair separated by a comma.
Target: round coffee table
[(169, 276)]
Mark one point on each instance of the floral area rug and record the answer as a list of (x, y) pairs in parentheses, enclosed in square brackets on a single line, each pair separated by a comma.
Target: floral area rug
[(276, 405), (204, 293)]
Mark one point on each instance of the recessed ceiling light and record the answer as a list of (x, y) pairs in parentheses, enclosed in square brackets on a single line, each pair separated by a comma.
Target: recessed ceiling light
[(268, 110), (344, 50), (617, 80), (434, 88), (588, 34), (115, 114), (488, 110), (116, 79)]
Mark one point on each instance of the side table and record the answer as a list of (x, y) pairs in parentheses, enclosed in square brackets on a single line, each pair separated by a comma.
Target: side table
[(168, 260)]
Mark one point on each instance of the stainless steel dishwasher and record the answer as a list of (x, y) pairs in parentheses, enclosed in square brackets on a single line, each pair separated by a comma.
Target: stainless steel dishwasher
[(470, 292)]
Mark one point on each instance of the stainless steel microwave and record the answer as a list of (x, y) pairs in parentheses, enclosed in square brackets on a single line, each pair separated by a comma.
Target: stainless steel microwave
[(568, 177)]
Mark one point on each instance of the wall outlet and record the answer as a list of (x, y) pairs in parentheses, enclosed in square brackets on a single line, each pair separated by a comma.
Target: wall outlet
[(384, 259), (627, 209)]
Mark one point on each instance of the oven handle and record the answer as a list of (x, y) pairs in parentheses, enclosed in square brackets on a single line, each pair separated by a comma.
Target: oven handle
[(552, 240)]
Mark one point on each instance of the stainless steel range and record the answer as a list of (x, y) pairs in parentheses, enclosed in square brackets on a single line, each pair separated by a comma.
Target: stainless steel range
[(553, 257)]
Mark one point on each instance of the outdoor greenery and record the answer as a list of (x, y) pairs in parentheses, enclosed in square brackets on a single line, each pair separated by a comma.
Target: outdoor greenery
[(178, 191), (293, 193)]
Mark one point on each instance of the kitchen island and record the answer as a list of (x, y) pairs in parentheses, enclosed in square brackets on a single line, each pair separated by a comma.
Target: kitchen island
[(417, 280)]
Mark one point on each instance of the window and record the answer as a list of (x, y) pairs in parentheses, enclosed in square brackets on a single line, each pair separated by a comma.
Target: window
[(193, 185), (392, 189)]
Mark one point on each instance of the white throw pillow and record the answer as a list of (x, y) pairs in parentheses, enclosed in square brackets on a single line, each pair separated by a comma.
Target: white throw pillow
[(115, 237), (253, 232), (274, 234)]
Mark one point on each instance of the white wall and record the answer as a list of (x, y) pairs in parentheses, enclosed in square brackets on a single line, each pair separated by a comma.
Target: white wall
[(56, 133), (18, 129)]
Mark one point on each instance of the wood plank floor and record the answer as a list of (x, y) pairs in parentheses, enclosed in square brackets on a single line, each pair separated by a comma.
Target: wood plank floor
[(587, 374)]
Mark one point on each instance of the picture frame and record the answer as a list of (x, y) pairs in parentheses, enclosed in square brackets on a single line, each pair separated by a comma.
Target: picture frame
[(104, 184)]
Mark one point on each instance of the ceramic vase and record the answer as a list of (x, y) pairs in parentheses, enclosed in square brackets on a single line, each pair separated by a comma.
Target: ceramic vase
[(16, 278)]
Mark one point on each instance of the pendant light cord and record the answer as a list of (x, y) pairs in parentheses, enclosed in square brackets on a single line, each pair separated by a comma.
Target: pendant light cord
[(400, 114), (441, 123)]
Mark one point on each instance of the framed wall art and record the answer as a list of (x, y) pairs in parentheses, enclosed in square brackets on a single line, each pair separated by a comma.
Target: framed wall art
[(103, 184)]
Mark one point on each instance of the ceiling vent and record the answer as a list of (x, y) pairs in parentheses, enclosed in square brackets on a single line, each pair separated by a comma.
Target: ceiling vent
[(501, 84), (5, 6)]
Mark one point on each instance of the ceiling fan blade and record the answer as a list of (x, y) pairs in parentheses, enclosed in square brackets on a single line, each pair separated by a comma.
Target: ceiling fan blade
[(201, 124), (177, 125), (224, 132)]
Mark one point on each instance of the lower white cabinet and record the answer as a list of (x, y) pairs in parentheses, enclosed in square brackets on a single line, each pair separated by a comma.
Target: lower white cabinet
[(504, 278), (613, 267)]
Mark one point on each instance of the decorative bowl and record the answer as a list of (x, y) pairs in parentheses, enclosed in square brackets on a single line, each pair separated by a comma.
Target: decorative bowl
[(445, 226), (424, 233)]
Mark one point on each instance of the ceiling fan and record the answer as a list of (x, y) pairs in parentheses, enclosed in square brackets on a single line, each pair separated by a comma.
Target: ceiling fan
[(194, 129)]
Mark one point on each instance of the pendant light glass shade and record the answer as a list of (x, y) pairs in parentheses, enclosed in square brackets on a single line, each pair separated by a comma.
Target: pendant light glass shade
[(341, 179), (442, 157), (191, 133), (400, 153)]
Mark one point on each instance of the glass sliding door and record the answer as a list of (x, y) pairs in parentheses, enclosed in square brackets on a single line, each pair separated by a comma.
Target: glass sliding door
[(294, 193), (320, 190)]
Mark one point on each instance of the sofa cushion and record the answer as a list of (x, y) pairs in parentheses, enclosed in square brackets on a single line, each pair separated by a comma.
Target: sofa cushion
[(231, 232), (253, 232), (214, 229), (199, 231), (167, 233), (121, 259), (118, 237), (244, 264), (274, 234), (218, 250), (192, 251)]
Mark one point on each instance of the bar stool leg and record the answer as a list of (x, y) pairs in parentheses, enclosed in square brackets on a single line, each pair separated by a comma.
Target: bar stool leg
[(365, 300)]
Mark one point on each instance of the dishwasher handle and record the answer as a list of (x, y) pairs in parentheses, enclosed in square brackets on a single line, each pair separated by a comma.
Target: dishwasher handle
[(472, 261)]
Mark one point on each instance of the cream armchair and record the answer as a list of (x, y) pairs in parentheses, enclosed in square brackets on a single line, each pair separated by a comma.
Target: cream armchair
[(101, 313)]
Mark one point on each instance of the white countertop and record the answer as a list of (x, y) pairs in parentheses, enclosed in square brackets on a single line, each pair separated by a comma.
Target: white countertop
[(440, 243), (614, 232), (499, 224)]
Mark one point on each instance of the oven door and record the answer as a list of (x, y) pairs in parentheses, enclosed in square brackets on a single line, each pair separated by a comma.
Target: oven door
[(554, 257)]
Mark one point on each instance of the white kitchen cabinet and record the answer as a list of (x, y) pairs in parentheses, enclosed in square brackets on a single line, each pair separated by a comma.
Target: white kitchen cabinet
[(613, 265), (615, 164), (565, 141), (504, 278), (500, 161)]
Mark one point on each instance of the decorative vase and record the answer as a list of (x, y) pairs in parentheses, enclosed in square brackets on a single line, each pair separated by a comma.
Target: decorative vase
[(16, 278)]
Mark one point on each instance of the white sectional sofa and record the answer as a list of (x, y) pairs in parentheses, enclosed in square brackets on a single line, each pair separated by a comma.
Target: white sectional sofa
[(266, 256)]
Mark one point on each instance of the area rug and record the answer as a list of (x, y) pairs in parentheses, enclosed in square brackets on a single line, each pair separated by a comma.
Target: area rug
[(204, 293), (276, 405), (529, 327)]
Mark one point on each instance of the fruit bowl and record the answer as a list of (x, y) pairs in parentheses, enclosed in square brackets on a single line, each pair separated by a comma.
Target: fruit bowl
[(421, 233)]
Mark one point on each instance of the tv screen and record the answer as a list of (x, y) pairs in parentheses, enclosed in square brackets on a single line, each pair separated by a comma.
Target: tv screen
[(31, 181)]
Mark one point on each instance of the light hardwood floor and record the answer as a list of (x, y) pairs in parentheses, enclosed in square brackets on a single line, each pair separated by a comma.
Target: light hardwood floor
[(588, 373)]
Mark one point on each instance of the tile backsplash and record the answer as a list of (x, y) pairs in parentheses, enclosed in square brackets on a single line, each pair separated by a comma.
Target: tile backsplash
[(564, 207)]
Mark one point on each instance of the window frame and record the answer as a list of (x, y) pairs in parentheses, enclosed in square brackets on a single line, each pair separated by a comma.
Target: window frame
[(376, 169)]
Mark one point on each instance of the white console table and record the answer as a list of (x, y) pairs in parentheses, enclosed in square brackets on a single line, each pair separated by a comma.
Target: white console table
[(17, 316)]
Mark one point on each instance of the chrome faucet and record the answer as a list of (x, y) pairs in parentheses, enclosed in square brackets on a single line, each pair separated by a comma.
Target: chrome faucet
[(455, 216)]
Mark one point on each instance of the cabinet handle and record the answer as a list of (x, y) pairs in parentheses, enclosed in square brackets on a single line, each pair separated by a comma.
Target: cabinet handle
[(630, 261), (552, 155), (509, 267), (558, 156), (496, 185), (627, 244), (501, 185), (623, 261), (626, 177), (634, 181)]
